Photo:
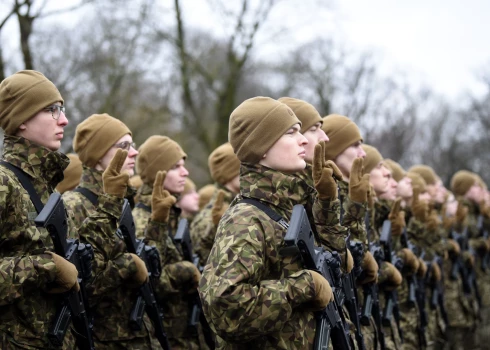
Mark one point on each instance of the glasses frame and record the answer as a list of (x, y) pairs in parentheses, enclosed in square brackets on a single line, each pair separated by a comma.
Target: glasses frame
[(54, 108), (126, 145)]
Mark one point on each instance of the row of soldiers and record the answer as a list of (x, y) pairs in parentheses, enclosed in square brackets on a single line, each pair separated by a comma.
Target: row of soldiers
[(281, 153)]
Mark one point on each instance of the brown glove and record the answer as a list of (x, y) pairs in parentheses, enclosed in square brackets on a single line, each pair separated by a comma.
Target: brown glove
[(369, 269), (161, 200), (448, 222), (66, 275), (188, 275), (453, 247), (358, 183), (419, 208), (410, 261), (115, 182), (436, 274), (141, 274), (422, 271), (461, 213), (219, 208), (469, 259), (397, 218), (349, 264), (323, 292), (391, 277), (433, 221), (371, 197), (325, 174)]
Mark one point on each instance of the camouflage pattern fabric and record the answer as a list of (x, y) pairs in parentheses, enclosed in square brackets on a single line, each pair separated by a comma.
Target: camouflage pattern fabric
[(252, 295), (172, 288), (353, 215), (202, 228), (110, 292), (26, 310)]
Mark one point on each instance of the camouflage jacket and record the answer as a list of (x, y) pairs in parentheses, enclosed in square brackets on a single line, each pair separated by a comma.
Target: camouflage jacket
[(251, 294), (202, 228), (26, 310), (354, 214), (111, 293), (172, 288)]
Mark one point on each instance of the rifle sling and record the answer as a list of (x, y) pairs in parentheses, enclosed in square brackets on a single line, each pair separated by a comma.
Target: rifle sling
[(26, 182), (143, 206), (92, 197), (266, 209)]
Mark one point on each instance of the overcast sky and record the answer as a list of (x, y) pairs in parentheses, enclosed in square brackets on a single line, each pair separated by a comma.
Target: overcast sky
[(440, 43)]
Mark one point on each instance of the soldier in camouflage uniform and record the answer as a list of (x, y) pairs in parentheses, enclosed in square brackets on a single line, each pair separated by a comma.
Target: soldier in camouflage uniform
[(225, 170), (179, 278), (253, 297), (96, 141), (31, 275)]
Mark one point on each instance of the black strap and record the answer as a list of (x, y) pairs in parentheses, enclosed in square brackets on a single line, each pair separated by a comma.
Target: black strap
[(26, 182), (92, 197), (266, 209), (144, 207)]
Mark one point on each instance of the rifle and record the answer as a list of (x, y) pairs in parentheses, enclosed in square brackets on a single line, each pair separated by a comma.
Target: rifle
[(484, 233), (146, 300), (370, 306), (437, 297), (196, 316), (300, 240), (392, 308), (74, 305), (350, 291)]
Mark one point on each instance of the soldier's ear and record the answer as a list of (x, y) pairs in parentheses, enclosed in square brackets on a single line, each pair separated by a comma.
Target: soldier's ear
[(265, 155), (22, 127)]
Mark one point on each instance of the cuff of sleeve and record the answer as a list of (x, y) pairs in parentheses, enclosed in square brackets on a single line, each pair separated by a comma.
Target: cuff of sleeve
[(300, 288), (111, 205), (156, 231)]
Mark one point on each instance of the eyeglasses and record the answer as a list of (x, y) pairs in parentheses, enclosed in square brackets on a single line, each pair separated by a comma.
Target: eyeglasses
[(125, 145), (55, 111)]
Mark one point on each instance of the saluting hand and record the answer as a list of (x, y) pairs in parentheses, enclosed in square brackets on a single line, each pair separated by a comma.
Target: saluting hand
[(161, 200), (325, 174), (116, 183), (358, 183)]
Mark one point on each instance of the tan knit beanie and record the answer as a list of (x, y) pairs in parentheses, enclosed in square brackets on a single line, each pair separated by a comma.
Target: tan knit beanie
[(426, 172), (418, 182), (155, 154), (256, 124), (22, 96), (462, 181), (306, 113), (205, 195), (481, 182), (96, 135), (223, 164), (397, 171), (71, 175), (372, 159), (342, 133)]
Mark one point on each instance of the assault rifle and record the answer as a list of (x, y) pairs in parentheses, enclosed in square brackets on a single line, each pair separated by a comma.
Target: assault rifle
[(74, 305), (484, 233), (146, 300), (196, 316), (392, 308), (350, 291), (300, 240), (370, 306), (437, 296)]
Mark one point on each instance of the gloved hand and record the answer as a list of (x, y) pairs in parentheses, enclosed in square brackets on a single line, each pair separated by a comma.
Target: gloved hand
[(453, 247), (419, 208), (371, 197), (410, 261), (325, 174), (186, 275), (323, 292), (436, 273), (115, 183), (219, 208), (161, 200), (389, 278), (432, 223), (469, 259), (358, 183), (397, 218), (461, 213), (348, 264), (66, 275), (422, 271), (141, 274), (369, 269), (448, 222)]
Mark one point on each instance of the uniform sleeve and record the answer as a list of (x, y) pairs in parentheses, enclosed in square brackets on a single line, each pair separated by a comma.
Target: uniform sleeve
[(20, 273), (354, 216), (237, 301), (112, 265)]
